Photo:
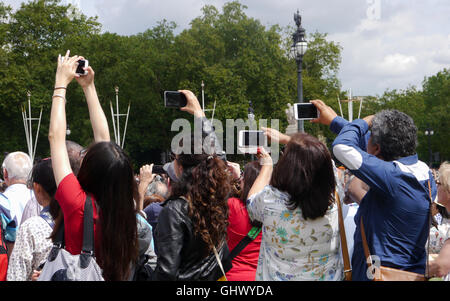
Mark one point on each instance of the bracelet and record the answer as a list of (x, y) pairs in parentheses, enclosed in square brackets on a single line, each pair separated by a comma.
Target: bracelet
[(60, 97), (59, 88)]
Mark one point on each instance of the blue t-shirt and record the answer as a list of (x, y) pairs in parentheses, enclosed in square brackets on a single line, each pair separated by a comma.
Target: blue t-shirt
[(395, 211)]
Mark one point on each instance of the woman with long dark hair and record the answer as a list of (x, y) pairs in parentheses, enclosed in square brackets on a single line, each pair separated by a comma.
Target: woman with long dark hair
[(106, 175), (294, 202), (246, 261), (192, 225)]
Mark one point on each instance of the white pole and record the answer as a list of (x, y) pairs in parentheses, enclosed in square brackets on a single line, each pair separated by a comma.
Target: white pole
[(340, 106), (30, 150), (350, 107), (25, 124), (360, 108), (126, 125), (203, 96), (113, 120), (118, 117), (214, 111), (37, 135)]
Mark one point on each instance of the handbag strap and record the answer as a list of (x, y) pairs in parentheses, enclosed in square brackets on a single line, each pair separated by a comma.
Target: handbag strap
[(219, 262), (345, 255), (88, 230), (251, 236), (88, 227), (366, 247)]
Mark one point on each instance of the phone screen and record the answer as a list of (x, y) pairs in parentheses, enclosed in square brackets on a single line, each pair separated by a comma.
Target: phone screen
[(81, 65), (158, 170), (253, 138), (306, 111), (174, 99)]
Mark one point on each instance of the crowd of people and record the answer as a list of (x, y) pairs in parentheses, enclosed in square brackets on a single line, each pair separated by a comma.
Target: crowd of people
[(205, 219)]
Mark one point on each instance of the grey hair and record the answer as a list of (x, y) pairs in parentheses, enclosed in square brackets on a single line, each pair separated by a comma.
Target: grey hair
[(444, 176), (73, 150), (18, 165), (395, 133), (158, 188)]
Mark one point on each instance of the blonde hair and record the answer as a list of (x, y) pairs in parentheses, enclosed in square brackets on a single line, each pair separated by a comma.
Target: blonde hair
[(444, 176)]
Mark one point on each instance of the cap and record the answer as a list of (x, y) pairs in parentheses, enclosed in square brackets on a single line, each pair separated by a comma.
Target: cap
[(170, 169)]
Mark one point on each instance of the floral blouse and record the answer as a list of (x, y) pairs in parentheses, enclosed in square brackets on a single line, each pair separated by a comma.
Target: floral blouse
[(293, 248), (33, 244), (439, 236)]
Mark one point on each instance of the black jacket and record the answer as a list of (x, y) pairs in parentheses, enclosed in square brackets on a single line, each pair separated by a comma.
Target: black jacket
[(180, 250)]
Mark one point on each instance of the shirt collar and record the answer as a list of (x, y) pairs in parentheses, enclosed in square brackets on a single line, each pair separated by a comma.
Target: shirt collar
[(409, 160)]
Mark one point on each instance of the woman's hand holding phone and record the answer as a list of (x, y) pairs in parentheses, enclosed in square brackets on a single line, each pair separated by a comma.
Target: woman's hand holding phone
[(193, 106), (66, 70)]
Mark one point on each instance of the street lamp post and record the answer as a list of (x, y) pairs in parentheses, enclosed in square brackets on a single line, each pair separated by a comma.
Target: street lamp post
[(429, 132), (298, 50)]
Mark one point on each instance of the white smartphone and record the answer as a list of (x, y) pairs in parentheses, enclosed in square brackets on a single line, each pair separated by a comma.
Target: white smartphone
[(249, 141), (306, 111)]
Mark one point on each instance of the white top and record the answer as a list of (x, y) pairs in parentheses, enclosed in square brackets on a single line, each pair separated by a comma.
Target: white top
[(31, 249), (293, 248), (19, 195)]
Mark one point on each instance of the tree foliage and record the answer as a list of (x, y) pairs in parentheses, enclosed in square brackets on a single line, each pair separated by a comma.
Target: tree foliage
[(238, 59)]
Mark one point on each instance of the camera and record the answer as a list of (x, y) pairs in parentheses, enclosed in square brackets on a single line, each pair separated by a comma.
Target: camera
[(174, 99)]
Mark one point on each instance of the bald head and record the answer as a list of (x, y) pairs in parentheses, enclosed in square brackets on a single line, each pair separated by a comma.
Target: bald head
[(17, 167)]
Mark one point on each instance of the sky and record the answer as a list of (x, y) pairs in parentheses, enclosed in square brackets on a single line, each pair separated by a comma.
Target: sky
[(387, 44)]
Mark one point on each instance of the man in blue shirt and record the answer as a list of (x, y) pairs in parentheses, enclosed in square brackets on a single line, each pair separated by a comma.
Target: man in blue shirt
[(395, 211)]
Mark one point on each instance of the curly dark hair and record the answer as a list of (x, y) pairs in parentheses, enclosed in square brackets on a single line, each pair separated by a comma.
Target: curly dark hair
[(206, 184), (396, 134)]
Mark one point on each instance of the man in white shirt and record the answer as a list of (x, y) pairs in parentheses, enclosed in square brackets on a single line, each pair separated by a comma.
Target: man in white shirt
[(16, 168)]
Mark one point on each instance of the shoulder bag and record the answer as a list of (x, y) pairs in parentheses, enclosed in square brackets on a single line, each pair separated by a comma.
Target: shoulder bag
[(63, 266), (344, 247)]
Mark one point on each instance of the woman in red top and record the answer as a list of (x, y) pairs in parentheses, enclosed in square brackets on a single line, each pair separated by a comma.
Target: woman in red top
[(245, 263), (105, 174)]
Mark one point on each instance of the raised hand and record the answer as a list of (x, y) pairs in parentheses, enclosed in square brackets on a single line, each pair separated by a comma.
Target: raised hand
[(66, 70), (193, 106), (86, 80), (327, 114), (276, 136)]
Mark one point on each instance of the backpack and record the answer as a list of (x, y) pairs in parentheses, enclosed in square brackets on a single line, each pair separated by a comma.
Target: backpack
[(3, 256)]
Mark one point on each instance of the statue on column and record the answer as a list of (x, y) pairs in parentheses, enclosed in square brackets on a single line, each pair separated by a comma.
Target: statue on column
[(293, 124)]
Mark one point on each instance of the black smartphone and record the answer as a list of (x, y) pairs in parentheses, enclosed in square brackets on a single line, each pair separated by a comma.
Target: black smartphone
[(174, 99), (252, 139), (158, 170), (81, 65), (305, 111)]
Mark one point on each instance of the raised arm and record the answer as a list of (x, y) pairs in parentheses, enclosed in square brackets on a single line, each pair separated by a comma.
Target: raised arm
[(96, 114), (65, 73)]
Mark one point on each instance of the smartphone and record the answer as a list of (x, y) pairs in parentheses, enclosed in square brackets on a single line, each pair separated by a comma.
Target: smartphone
[(174, 99), (82, 64), (252, 139), (305, 111), (158, 170)]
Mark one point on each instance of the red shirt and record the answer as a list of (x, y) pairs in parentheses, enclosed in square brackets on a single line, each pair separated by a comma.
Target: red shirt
[(71, 198), (246, 262)]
